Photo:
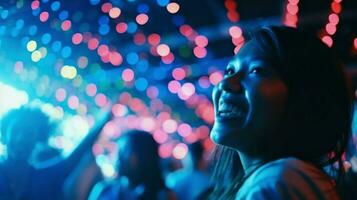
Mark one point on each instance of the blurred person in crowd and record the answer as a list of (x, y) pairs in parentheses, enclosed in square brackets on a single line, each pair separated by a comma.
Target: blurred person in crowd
[(83, 178), (44, 152), (20, 177), (193, 178), (139, 171)]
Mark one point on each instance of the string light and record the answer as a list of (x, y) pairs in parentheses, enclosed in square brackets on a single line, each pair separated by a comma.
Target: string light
[(291, 13), (231, 7), (331, 26), (235, 32)]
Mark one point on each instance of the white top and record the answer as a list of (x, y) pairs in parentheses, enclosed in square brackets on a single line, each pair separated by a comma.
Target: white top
[(288, 178)]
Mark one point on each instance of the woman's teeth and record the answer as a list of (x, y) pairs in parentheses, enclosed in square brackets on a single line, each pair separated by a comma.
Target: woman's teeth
[(229, 110)]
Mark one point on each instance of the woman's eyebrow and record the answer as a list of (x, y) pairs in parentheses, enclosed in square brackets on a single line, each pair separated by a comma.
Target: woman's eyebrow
[(260, 58), (259, 62), (236, 63)]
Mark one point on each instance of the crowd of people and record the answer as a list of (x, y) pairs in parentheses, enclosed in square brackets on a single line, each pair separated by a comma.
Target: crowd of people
[(283, 117)]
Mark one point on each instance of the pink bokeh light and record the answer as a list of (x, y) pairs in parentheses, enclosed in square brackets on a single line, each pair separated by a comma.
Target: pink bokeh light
[(66, 25), (178, 73), (101, 100), (93, 43), (163, 49), (180, 151), (174, 86), (44, 16), (127, 75), (61, 94), (91, 89), (142, 19), (77, 38), (73, 102)]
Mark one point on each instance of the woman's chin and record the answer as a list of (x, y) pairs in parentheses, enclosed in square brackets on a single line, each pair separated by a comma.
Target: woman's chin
[(223, 135), (236, 137)]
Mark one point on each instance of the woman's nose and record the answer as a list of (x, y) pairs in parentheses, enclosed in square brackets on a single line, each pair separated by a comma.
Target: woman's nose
[(231, 84)]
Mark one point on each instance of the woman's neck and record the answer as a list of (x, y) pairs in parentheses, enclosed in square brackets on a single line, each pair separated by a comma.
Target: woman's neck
[(249, 162)]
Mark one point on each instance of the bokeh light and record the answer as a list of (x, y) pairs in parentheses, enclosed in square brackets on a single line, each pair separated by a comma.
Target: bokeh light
[(11, 98), (44, 16), (169, 126), (91, 89), (327, 40), (101, 100), (201, 41), (114, 12), (174, 86), (215, 77), (68, 72), (128, 75), (61, 94), (200, 52), (173, 7), (66, 25), (180, 151), (178, 73), (36, 56), (184, 129), (31, 46), (235, 31), (142, 19), (163, 50)]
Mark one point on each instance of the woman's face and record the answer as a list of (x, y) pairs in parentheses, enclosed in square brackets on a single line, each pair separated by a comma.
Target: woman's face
[(249, 101)]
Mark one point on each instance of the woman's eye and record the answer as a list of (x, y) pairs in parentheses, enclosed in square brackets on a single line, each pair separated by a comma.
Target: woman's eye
[(229, 71), (256, 70)]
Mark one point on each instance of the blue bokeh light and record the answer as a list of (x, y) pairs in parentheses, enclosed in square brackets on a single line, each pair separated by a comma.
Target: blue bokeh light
[(132, 27), (63, 15), (32, 30), (66, 52), (103, 20), (46, 38), (94, 2), (20, 23), (162, 2), (55, 5), (56, 46), (141, 84), (104, 29), (143, 8), (132, 58)]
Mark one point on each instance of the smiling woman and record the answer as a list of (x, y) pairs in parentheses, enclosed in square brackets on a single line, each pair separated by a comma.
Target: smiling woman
[(249, 101), (282, 114)]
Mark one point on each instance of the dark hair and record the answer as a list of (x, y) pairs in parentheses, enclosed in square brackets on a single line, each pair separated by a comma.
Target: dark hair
[(149, 170), (196, 151), (27, 115), (316, 124)]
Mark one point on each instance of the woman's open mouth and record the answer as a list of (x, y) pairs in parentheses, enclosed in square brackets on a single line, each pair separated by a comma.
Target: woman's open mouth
[(229, 110)]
